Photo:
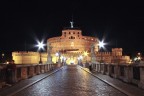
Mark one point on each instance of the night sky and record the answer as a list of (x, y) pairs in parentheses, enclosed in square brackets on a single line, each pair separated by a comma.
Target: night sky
[(120, 23)]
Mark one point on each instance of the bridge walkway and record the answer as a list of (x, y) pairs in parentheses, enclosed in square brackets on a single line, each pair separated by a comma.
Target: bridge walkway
[(69, 81)]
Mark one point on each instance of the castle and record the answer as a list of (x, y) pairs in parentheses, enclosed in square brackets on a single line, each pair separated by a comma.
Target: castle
[(70, 46)]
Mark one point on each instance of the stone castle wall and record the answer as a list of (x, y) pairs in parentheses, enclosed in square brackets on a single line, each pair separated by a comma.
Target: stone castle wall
[(72, 39), (26, 57)]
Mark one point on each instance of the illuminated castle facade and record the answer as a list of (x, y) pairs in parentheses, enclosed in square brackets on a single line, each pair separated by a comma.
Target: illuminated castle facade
[(71, 45)]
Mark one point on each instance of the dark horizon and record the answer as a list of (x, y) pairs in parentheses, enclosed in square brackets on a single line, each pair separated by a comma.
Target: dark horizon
[(24, 22)]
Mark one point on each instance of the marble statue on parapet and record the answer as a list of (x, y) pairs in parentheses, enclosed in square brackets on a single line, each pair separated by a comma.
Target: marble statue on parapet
[(49, 47), (92, 48), (93, 57), (59, 60)]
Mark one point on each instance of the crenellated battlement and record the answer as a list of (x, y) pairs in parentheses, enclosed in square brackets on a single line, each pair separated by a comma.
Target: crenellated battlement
[(103, 53), (90, 38), (25, 53), (117, 49)]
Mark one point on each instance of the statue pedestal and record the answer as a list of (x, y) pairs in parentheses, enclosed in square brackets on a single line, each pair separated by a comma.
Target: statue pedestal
[(93, 59), (59, 62)]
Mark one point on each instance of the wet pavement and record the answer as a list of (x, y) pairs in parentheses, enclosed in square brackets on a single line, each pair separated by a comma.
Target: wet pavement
[(132, 90), (17, 87), (124, 87), (70, 81)]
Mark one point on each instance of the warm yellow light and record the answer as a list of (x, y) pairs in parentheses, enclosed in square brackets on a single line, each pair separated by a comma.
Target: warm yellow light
[(3, 55), (130, 61), (72, 44), (139, 58), (85, 53)]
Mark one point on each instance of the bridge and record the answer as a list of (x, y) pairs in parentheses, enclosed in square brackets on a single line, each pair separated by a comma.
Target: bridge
[(74, 80)]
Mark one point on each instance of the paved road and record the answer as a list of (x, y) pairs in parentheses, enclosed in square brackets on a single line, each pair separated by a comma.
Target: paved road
[(70, 81)]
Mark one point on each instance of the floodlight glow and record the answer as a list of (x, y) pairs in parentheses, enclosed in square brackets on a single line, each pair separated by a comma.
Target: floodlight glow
[(57, 54), (40, 45), (81, 57), (78, 58), (86, 53), (101, 44)]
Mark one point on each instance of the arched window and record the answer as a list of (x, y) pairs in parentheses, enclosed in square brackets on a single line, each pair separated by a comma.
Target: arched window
[(71, 37)]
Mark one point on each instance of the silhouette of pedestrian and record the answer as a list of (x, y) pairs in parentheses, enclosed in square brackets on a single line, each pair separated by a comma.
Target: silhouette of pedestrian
[(90, 67)]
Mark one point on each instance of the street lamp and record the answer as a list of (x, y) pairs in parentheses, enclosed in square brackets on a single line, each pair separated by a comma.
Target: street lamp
[(40, 46), (101, 45)]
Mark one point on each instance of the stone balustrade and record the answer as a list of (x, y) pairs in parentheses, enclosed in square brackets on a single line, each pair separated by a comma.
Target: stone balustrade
[(24, 71), (130, 73)]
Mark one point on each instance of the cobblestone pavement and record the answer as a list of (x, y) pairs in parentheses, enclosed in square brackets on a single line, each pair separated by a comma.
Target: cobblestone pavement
[(8, 91), (70, 81)]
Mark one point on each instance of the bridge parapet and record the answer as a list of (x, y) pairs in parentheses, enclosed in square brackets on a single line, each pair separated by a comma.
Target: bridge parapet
[(132, 73), (24, 71)]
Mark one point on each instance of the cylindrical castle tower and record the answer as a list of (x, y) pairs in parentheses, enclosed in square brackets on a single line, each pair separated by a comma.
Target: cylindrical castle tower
[(71, 44)]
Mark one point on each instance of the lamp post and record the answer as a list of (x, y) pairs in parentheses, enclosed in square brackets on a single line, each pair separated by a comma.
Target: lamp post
[(40, 46), (101, 45)]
